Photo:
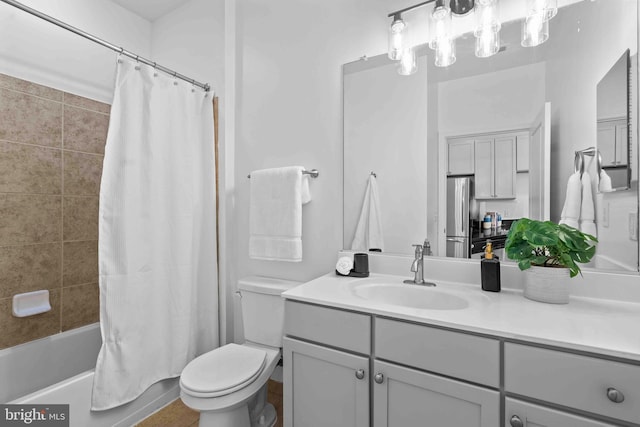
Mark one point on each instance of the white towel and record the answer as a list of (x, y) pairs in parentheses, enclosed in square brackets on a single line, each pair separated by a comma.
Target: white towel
[(369, 229), (587, 208), (275, 213), (572, 202), (605, 182), (344, 265)]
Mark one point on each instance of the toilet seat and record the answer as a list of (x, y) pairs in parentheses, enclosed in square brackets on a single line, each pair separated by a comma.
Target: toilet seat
[(223, 371)]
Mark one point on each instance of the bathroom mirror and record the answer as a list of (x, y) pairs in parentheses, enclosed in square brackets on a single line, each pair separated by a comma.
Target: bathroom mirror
[(479, 96), (614, 139)]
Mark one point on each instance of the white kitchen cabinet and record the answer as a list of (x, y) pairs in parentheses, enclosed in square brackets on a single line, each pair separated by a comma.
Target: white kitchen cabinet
[(460, 156), (407, 397), (324, 387), (523, 414), (613, 143), (495, 165)]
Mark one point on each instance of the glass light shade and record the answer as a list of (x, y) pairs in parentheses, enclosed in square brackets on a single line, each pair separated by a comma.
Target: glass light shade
[(398, 35), (486, 12), (407, 64), (487, 43), (445, 53), (535, 31), (545, 8), (440, 25)]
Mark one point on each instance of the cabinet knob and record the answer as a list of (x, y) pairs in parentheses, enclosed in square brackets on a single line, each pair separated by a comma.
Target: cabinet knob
[(615, 395), (360, 374), (515, 421), (379, 378)]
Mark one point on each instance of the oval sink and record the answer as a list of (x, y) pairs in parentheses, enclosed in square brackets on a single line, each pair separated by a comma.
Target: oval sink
[(413, 296)]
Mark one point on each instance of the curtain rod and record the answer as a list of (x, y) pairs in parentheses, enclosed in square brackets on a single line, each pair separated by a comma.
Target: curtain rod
[(104, 43)]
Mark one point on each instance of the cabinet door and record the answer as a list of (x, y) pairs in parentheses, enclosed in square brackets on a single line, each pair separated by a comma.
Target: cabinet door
[(607, 143), (324, 387), (504, 152), (406, 397), (460, 156), (622, 145), (522, 153), (522, 414), (484, 168)]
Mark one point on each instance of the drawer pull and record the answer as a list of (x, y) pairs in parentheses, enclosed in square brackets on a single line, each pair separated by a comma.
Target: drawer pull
[(515, 421), (379, 378), (615, 395), (360, 374)]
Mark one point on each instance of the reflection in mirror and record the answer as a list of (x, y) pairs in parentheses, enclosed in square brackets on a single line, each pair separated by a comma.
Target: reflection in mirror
[(613, 127), (512, 122)]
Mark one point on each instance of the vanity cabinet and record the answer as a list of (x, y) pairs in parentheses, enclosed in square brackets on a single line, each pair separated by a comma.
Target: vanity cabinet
[(495, 165), (613, 142), (460, 156), (523, 414)]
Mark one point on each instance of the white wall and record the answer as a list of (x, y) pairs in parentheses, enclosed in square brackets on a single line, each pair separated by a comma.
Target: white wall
[(35, 50)]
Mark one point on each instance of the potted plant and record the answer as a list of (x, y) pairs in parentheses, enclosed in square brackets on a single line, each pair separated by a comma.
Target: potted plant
[(550, 253)]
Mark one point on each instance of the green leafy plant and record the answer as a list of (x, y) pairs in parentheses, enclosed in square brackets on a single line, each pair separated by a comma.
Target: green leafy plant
[(547, 244)]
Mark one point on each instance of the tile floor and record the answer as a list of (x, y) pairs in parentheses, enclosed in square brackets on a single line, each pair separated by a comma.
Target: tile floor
[(176, 414)]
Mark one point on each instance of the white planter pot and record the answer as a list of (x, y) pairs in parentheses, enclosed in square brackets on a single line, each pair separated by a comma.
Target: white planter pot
[(547, 284)]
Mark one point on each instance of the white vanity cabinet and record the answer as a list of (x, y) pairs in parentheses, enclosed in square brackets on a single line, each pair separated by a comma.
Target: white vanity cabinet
[(523, 414)]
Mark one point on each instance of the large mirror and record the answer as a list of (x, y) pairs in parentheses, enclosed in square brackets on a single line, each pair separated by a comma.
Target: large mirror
[(508, 126)]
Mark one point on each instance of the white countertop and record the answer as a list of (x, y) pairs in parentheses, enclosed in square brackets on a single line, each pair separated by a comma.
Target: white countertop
[(587, 324)]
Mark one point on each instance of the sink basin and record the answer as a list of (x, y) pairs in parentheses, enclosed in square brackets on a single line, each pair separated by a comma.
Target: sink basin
[(413, 296)]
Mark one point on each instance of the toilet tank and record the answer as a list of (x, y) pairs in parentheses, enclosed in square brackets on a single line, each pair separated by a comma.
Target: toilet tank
[(263, 308)]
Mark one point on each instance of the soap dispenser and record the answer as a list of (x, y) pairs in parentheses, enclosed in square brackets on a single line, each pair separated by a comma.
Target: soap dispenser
[(490, 270)]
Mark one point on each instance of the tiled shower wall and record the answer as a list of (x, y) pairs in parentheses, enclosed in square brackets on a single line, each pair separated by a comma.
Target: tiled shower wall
[(51, 151)]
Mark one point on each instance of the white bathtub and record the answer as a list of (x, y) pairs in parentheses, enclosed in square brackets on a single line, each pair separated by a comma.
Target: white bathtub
[(59, 370)]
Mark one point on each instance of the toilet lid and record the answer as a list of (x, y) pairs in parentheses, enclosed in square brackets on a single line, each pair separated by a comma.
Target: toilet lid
[(223, 370)]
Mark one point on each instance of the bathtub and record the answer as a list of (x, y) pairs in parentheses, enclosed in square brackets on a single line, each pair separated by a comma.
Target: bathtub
[(59, 370)]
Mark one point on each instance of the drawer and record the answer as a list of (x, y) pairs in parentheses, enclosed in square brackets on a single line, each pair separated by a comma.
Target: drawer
[(538, 416), (573, 380), (454, 354), (337, 328)]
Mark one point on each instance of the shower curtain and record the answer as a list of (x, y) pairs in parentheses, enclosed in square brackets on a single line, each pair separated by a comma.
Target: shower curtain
[(157, 234)]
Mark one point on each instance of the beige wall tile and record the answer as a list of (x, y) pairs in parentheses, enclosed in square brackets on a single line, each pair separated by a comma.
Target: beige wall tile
[(29, 119), (29, 268), (86, 103), (82, 173), (30, 169), (80, 264), (80, 220), (30, 88), (85, 130), (29, 219), (18, 330), (80, 306)]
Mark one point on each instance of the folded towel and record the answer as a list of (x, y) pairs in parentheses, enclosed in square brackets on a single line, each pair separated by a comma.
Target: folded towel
[(368, 235), (587, 208), (573, 200), (344, 265), (275, 214), (605, 182)]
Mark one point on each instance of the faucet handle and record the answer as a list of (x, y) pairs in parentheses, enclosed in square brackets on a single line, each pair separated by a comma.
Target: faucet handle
[(419, 250)]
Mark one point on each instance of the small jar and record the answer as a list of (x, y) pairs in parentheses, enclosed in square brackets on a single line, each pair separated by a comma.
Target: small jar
[(486, 222)]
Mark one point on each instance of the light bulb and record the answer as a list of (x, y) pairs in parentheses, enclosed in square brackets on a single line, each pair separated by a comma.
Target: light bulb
[(397, 38), (407, 64), (440, 24), (445, 53), (486, 12), (547, 9), (487, 44), (535, 30)]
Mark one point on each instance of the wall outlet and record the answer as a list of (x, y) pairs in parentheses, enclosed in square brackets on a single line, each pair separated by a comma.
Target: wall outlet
[(633, 226)]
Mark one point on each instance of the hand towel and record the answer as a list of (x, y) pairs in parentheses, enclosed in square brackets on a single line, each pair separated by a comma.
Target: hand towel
[(605, 182), (368, 233), (572, 202), (587, 208), (344, 265), (275, 214)]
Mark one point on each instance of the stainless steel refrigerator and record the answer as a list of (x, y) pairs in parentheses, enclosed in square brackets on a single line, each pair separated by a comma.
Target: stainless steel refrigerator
[(460, 200)]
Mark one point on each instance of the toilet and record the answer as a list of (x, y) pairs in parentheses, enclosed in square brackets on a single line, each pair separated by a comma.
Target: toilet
[(228, 385)]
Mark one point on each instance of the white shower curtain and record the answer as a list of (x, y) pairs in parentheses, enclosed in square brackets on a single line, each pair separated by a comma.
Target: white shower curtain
[(157, 235)]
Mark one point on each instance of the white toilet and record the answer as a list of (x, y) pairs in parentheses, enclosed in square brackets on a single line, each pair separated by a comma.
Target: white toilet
[(228, 385)]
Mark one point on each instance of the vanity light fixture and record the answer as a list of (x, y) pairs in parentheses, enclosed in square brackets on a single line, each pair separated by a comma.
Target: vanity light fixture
[(535, 29)]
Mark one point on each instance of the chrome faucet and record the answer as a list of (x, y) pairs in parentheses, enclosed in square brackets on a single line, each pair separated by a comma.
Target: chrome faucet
[(417, 266)]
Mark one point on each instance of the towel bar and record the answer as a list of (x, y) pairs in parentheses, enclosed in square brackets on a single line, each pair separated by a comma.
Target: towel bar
[(313, 172)]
